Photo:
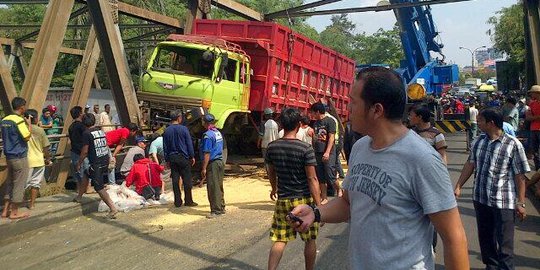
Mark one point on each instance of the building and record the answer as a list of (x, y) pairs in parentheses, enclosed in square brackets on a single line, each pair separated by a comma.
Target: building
[(485, 55)]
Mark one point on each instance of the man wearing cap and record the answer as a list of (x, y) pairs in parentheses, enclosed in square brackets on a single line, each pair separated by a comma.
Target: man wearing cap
[(533, 115), (270, 131), (128, 160), (213, 169)]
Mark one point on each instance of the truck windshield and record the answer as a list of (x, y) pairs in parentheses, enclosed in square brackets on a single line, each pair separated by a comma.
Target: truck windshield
[(181, 60)]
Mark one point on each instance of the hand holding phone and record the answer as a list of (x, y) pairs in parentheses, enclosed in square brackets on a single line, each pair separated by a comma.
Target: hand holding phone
[(294, 218)]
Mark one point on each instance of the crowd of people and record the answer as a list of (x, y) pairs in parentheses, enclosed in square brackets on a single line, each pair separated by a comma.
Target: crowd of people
[(397, 195), (95, 147)]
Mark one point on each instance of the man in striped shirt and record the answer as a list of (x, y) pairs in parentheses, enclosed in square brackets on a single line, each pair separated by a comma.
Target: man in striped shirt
[(499, 188), (291, 169)]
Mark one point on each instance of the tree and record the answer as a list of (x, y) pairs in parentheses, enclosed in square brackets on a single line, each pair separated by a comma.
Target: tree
[(339, 35), (383, 47), (508, 35)]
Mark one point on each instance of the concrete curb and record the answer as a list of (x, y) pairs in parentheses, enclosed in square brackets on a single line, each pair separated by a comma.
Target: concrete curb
[(59, 208)]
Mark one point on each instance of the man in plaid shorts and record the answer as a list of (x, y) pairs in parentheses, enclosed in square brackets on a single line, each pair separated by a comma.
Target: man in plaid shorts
[(291, 169)]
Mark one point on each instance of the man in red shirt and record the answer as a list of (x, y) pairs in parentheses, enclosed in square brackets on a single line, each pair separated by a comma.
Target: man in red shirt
[(533, 115), (459, 106), (117, 139)]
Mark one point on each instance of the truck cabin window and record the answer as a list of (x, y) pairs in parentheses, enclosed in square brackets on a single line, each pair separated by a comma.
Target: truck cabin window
[(229, 72), (180, 60)]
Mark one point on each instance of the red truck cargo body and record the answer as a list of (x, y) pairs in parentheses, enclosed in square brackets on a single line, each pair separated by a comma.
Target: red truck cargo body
[(316, 71)]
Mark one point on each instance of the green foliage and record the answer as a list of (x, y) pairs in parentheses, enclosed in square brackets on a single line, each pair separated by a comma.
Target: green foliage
[(339, 35), (382, 47), (509, 36)]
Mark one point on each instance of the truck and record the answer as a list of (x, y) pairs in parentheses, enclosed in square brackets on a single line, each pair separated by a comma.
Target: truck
[(473, 82), (236, 69)]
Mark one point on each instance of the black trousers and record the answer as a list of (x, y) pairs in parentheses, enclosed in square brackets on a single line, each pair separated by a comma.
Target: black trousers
[(150, 192), (496, 236), (181, 166), (535, 147)]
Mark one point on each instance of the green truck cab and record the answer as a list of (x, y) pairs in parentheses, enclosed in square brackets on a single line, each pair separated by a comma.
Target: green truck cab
[(191, 72)]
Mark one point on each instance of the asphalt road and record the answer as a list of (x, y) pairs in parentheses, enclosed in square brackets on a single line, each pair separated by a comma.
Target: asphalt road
[(238, 240)]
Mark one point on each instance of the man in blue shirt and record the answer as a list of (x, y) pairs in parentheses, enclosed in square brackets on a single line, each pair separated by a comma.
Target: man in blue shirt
[(213, 168), (15, 134), (178, 152)]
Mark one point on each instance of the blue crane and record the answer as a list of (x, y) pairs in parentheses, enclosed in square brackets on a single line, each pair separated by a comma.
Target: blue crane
[(423, 73)]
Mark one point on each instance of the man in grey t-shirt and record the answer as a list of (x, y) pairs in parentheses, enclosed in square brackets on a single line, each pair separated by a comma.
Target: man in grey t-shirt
[(128, 160), (392, 195)]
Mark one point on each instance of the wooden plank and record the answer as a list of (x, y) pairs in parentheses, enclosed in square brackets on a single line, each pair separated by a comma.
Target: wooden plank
[(45, 56), (81, 90), (110, 42), (32, 45), (147, 15), (7, 41), (96, 83), (7, 87), (238, 9), (22, 66), (66, 50), (192, 13)]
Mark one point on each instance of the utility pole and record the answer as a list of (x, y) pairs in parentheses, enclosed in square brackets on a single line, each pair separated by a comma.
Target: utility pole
[(472, 57)]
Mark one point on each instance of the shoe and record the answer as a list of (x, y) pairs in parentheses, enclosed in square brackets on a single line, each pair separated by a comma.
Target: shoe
[(214, 215), (178, 203), (191, 204)]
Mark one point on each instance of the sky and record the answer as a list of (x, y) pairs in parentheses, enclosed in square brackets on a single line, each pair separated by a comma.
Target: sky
[(460, 24)]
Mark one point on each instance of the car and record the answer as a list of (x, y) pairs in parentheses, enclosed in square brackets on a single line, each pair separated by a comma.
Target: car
[(464, 92)]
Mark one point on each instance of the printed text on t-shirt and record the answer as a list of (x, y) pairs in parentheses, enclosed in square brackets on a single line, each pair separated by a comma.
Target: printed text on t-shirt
[(100, 143), (369, 180)]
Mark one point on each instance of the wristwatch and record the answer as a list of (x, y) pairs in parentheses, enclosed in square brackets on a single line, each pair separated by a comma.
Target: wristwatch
[(520, 204), (316, 212)]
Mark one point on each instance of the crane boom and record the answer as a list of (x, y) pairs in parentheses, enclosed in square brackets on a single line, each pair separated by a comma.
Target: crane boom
[(423, 73)]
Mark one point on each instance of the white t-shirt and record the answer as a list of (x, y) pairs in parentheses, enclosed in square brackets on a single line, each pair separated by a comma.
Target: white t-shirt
[(105, 120), (390, 203), (473, 112), (271, 133), (303, 135)]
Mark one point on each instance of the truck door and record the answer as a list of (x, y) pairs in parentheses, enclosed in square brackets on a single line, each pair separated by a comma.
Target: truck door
[(227, 91)]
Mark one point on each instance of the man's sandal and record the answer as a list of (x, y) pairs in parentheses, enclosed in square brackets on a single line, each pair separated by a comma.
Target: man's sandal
[(112, 215)]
